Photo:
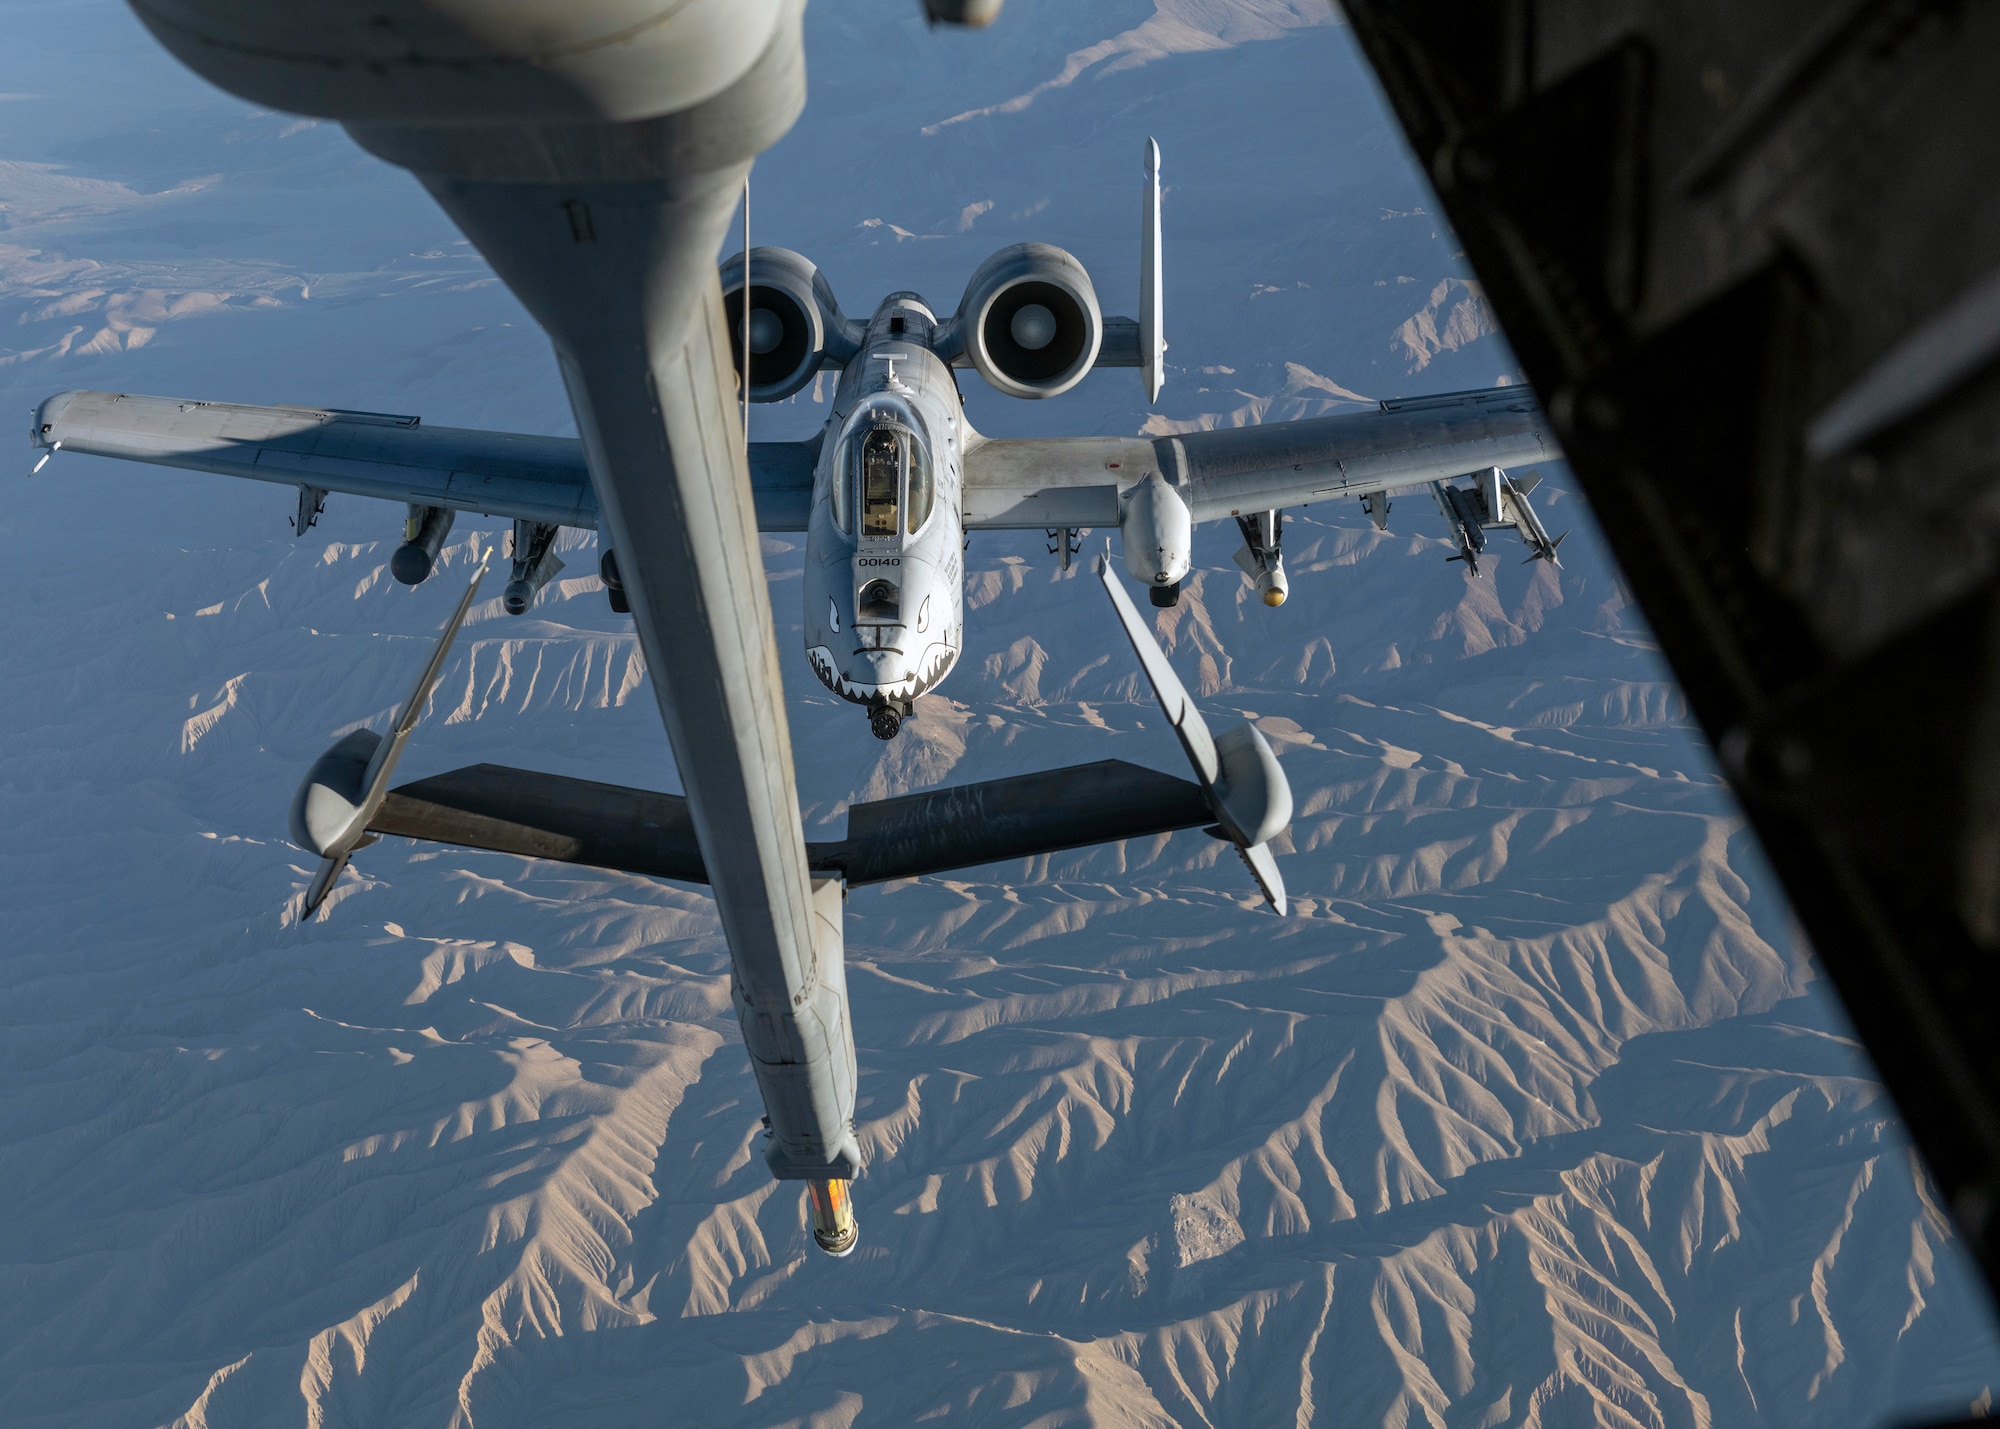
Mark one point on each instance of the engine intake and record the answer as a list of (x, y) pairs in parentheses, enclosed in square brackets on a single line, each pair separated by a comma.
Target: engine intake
[(796, 327), (1029, 321)]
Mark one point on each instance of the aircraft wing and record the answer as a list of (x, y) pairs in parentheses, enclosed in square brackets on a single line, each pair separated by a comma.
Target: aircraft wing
[(392, 458), (1076, 481)]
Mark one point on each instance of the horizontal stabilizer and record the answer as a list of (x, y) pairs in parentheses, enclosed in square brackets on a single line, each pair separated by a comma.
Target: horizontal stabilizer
[(638, 831)]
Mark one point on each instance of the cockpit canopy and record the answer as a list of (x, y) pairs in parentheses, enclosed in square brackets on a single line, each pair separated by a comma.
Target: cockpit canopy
[(884, 471)]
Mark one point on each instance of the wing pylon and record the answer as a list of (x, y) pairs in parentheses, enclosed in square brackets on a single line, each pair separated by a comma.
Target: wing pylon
[(1493, 500)]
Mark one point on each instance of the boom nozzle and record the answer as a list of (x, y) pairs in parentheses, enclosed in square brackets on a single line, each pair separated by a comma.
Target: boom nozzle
[(833, 1225)]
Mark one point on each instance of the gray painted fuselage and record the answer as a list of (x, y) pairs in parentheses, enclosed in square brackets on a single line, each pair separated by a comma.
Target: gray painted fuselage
[(598, 179), (884, 579)]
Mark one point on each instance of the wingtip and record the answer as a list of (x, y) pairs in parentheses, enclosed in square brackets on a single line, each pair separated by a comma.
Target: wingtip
[(322, 885), (1264, 870)]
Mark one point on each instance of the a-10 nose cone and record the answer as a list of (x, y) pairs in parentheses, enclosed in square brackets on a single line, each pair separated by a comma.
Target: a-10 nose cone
[(880, 671)]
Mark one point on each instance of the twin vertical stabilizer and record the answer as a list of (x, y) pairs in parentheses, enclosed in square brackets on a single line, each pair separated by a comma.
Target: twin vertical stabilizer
[(1152, 333)]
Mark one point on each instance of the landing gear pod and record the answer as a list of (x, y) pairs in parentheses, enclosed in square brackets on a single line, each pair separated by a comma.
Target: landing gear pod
[(1156, 530), (423, 538), (795, 324), (1029, 321), (833, 1225)]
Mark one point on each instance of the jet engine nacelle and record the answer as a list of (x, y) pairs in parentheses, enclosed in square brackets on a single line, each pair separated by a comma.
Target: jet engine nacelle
[(1029, 321), (795, 324), (1156, 530)]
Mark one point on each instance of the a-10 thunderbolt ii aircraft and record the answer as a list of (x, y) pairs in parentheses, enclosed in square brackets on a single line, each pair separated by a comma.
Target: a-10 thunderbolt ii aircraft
[(886, 495), (897, 478)]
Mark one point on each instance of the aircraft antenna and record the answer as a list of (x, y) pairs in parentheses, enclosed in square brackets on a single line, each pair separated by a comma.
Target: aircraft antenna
[(746, 319), (1152, 322)]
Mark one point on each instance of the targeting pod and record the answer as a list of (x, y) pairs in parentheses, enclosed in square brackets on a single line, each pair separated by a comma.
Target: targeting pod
[(1270, 583)]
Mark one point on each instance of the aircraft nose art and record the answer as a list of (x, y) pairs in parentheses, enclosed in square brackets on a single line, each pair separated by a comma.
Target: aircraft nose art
[(863, 675), (882, 672)]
